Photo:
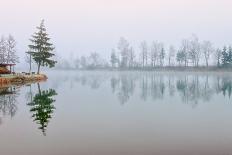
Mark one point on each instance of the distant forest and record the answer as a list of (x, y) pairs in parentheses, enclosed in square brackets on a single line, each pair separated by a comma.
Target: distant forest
[(192, 53)]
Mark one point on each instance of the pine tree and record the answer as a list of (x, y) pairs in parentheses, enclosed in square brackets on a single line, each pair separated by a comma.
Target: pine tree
[(180, 57), (41, 49), (218, 55), (224, 57), (229, 59)]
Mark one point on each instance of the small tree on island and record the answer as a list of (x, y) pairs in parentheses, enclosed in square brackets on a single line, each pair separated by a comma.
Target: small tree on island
[(41, 49)]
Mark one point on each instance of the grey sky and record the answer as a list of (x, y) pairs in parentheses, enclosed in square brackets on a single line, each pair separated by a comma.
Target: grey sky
[(83, 26)]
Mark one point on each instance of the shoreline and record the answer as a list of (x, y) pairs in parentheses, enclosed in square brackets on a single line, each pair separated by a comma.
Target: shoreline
[(159, 69), (21, 79)]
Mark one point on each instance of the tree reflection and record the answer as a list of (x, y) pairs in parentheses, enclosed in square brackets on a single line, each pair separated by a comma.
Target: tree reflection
[(144, 88), (226, 86), (42, 107), (171, 86), (191, 88), (114, 83), (157, 87), (8, 100), (125, 89)]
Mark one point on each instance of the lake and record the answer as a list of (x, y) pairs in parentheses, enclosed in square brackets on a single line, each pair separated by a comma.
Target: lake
[(118, 113)]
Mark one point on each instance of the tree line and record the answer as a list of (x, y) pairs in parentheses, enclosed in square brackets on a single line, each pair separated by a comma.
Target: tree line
[(191, 53)]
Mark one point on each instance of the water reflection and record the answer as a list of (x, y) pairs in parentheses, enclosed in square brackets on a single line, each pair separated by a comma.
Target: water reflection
[(90, 103), (42, 108), (8, 101), (226, 86), (39, 101), (191, 89)]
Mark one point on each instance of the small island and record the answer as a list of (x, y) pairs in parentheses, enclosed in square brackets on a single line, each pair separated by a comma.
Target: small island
[(40, 52), (8, 77)]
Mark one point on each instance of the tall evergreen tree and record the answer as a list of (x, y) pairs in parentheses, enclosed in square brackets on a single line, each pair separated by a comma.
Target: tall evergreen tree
[(180, 57), (41, 49), (229, 58), (224, 56), (218, 55)]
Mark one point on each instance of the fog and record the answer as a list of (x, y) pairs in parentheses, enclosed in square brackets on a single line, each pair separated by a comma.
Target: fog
[(84, 26)]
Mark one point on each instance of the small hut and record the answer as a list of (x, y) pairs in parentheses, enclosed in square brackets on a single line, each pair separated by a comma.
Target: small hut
[(6, 68)]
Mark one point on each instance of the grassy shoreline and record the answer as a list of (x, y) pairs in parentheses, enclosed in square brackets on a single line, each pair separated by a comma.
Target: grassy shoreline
[(20, 79)]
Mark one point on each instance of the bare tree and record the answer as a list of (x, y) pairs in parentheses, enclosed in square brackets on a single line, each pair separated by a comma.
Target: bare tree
[(154, 52), (144, 53), (2, 49), (207, 49), (184, 51), (83, 62), (131, 57), (113, 58), (171, 55), (195, 50), (94, 60), (11, 56), (123, 47), (77, 63), (161, 54)]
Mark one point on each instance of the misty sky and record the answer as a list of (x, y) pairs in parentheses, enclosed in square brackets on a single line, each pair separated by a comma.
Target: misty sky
[(84, 26)]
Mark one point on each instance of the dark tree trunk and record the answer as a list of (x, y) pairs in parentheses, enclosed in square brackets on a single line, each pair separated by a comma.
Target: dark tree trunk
[(39, 88), (30, 64), (38, 71)]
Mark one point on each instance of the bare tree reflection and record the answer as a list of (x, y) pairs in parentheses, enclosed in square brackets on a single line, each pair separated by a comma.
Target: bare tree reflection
[(171, 86), (8, 101), (191, 88), (114, 84), (207, 91), (157, 87), (144, 88), (126, 88)]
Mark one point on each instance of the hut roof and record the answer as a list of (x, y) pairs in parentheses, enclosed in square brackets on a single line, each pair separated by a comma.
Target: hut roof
[(5, 65)]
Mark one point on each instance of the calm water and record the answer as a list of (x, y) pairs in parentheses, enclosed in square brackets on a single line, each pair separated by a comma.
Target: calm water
[(110, 113)]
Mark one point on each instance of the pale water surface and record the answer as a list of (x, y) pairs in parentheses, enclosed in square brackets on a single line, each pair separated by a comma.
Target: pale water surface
[(118, 113)]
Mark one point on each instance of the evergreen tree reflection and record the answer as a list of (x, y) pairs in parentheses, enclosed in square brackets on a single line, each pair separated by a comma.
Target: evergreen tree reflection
[(226, 87), (42, 107)]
